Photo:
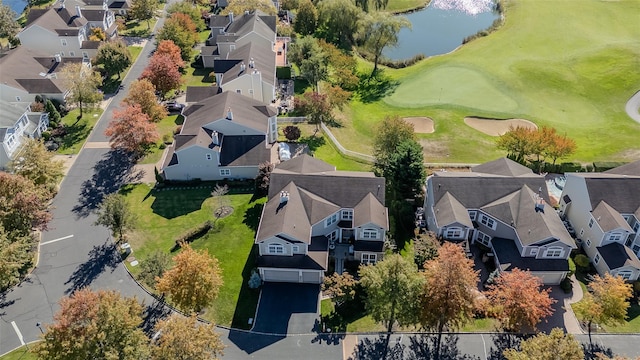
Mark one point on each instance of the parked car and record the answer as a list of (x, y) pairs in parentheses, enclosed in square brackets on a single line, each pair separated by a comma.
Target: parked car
[(173, 106)]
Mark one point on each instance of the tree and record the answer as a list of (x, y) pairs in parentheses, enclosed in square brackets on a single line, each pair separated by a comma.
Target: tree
[(425, 247), (388, 135), (15, 257), (341, 288), (556, 345), (307, 54), (405, 172), (180, 29), (54, 115), (169, 48), (131, 130), (291, 132), (193, 282), (378, 31), (9, 27), (116, 215), (83, 84), (520, 303), (220, 201), (338, 21), (448, 297), (393, 286), (185, 338), (142, 93), (240, 6), (337, 96), (262, 179), (37, 164), (606, 303), (190, 10), (97, 34), (559, 147), (114, 57), (342, 66), (153, 267), (143, 10), (306, 19), (316, 106), (162, 73), (582, 261), (517, 142), (95, 325), (23, 205)]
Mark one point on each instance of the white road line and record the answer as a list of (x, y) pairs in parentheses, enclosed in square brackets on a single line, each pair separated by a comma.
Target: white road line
[(485, 346), (15, 327), (58, 239)]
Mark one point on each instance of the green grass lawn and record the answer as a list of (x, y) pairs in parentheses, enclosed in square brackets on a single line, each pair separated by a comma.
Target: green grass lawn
[(631, 325), (77, 130), (166, 127), (19, 354), (164, 215), (110, 85), (405, 5), (545, 64)]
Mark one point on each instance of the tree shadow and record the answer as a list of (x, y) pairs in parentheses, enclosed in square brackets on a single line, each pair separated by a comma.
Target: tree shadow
[(502, 342), (252, 216), (111, 172), (424, 347), (313, 142), (174, 203), (251, 342), (152, 314), (248, 298), (100, 259), (373, 88), (4, 302), (591, 351), (368, 349)]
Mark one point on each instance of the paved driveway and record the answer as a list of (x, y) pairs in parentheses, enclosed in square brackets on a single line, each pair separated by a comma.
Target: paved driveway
[(287, 308)]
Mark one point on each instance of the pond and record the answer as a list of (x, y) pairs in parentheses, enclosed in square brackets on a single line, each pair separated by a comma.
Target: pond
[(16, 5), (441, 27)]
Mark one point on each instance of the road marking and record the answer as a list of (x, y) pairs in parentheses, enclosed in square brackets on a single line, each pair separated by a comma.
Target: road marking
[(56, 240), (485, 346), (15, 327), (97, 145)]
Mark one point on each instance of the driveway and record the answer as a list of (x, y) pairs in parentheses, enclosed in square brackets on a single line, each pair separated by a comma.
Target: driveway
[(288, 308)]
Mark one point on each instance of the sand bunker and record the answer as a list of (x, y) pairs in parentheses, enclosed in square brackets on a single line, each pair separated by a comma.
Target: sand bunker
[(422, 125), (494, 127)]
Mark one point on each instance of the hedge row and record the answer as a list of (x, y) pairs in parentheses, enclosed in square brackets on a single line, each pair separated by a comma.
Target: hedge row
[(194, 234)]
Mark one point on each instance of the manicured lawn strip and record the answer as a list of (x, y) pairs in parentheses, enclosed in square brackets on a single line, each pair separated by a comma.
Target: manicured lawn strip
[(77, 130), (404, 5), (577, 83), (166, 127), (20, 353), (632, 325), (164, 215)]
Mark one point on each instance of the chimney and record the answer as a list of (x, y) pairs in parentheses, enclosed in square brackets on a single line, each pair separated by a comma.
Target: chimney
[(61, 4), (246, 12), (242, 66), (58, 58), (230, 17), (284, 197), (78, 12), (229, 114), (214, 138), (251, 63)]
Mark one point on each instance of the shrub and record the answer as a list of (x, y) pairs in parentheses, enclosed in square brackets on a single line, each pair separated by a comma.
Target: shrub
[(46, 135), (154, 266), (572, 267), (565, 285), (482, 33), (162, 146), (292, 132), (255, 281), (194, 233), (606, 165), (283, 72), (581, 261), (589, 168), (177, 130)]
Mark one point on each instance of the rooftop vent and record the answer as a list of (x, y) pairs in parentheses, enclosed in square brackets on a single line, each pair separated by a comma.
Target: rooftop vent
[(284, 197), (229, 114)]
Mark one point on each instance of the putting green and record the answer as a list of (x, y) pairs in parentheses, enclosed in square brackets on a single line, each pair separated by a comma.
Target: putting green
[(451, 85)]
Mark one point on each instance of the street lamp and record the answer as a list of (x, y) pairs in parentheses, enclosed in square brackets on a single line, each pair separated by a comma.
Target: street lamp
[(39, 327)]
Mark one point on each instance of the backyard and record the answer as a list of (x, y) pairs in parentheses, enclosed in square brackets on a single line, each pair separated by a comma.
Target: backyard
[(544, 64)]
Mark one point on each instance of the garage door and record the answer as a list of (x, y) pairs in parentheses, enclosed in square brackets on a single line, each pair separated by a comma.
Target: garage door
[(281, 275), (549, 278), (311, 277)]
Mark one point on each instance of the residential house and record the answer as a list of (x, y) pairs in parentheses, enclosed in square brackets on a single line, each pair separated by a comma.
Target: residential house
[(27, 74), (604, 210), (225, 136), (314, 211), (18, 122), (64, 29), (503, 206), (242, 53)]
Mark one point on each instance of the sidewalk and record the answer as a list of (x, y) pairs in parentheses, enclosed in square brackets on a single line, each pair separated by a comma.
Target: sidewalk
[(571, 323)]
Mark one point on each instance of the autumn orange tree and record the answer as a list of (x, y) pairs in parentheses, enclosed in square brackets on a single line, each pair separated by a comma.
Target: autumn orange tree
[(449, 291), (142, 92), (341, 288), (521, 143), (180, 29), (194, 281), (162, 73), (131, 130), (183, 338), (606, 303), (169, 48), (95, 325), (316, 106), (555, 345), (519, 302)]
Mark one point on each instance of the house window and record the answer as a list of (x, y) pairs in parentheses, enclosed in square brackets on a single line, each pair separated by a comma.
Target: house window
[(636, 248), (274, 126), (596, 259), (275, 249), (483, 238), (225, 172), (333, 236), (63, 42), (331, 220), (453, 232), (369, 234), (615, 237), (534, 251), (208, 156), (488, 222), (238, 91), (581, 232), (18, 98), (588, 242), (72, 53), (295, 248), (625, 274), (369, 258), (61, 53), (554, 252), (472, 215), (636, 227), (251, 91), (347, 215), (85, 55), (591, 223)]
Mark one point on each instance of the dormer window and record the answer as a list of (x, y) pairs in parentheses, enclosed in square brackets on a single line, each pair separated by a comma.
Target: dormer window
[(369, 234), (554, 252), (347, 215), (615, 237), (275, 249)]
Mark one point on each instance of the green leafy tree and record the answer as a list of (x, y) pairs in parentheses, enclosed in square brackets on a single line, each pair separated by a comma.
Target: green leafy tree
[(307, 54), (405, 173), (189, 9), (343, 67), (392, 286), (306, 19), (83, 84), (425, 247), (37, 164), (448, 295), (338, 21), (606, 303), (23, 205), (15, 257), (316, 106), (388, 135), (341, 288), (379, 30), (143, 10), (95, 325), (555, 345), (185, 338), (153, 267), (9, 27), (54, 114), (116, 215), (114, 57)]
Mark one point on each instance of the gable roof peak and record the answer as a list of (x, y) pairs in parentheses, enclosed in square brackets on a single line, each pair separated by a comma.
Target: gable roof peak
[(502, 166)]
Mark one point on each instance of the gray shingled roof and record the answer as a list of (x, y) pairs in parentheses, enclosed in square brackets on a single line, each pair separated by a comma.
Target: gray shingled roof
[(263, 56), (370, 210), (56, 18), (317, 257), (304, 164), (509, 257), (619, 191), (199, 93), (287, 217), (10, 113), (22, 68), (246, 150), (608, 218), (316, 207), (502, 166), (449, 210), (257, 21), (632, 168), (617, 255)]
